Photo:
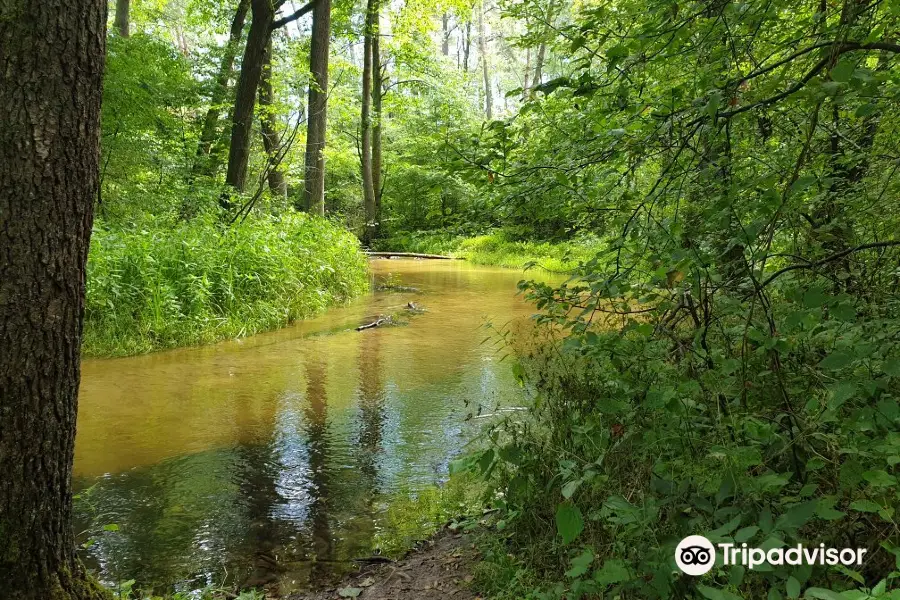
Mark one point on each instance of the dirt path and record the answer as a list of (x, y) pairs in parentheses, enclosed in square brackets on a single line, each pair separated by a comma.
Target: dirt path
[(440, 569)]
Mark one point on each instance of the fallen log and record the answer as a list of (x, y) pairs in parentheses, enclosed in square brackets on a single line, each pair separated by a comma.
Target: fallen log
[(412, 255), (375, 323)]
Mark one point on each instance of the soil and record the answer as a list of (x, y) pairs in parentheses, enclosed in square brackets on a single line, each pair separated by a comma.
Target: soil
[(439, 569)]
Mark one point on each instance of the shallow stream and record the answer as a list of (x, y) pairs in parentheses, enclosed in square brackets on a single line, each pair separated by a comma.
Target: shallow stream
[(277, 457)]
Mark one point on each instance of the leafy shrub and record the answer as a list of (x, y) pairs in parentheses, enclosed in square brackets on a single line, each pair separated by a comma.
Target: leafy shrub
[(768, 426), (157, 286)]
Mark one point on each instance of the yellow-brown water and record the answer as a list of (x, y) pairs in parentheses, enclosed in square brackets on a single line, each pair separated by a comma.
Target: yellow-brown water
[(211, 461)]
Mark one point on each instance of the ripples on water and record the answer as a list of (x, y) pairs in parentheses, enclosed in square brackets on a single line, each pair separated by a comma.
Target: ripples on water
[(274, 457)]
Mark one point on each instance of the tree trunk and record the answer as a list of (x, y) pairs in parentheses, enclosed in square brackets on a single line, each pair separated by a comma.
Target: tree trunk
[(51, 82), (123, 17), (445, 34), (485, 69), (527, 73), (467, 46), (314, 179), (366, 125), (245, 98), (377, 86), (267, 121), (539, 66), (205, 163)]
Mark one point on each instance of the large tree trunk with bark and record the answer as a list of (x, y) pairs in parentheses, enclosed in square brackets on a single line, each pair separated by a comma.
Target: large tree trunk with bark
[(377, 87), (366, 125), (277, 183), (205, 163), (245, 99), (485, 68), (314, 179), (52, 54), (123, 17)]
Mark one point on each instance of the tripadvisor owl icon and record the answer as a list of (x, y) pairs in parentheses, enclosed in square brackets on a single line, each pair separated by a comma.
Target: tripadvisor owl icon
[(695, 555)]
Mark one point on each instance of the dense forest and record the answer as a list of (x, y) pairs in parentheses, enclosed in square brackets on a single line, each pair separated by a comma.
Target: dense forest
[(703, 195)]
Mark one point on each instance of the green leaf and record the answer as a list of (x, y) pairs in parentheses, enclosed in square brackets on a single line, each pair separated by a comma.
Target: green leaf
[(349, 592), (836, 360), (569, 522), (822, 594), (843, 311), (829, 514), (580, 564), (840, 393), (111, 527), (569, 488), (486, 460), (865, 110), (879, 478), (714, 594), (865, 506), (814, 298), (745, 534), (511, 454), (891, 367), (613, 571), (802, 183), (799, 515), (792, 587), (843, 71)]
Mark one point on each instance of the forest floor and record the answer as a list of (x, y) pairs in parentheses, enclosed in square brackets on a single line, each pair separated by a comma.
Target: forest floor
[(438, 569)]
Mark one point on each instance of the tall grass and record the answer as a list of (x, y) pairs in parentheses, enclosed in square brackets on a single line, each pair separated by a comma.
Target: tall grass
[(157, 286), (497, 249)]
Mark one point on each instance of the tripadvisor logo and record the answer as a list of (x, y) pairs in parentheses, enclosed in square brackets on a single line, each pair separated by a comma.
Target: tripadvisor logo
[(696, 555)]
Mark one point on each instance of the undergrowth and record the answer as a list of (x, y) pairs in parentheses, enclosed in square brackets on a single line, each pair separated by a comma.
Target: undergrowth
[(496, 249), (160, 285), (663, 411)]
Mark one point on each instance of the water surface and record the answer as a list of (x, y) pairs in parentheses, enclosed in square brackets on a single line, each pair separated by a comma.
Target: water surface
[(273, 459)]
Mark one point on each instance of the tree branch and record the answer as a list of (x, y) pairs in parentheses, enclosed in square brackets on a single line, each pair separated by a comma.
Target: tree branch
[(306, 8), (828, 259)]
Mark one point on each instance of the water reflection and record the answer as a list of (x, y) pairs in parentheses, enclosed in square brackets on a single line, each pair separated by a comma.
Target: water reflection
[(271, 459)]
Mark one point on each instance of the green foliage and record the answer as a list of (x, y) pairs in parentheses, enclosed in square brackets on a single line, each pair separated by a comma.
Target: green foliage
[(160, 285), (497, 249), (726, 365), (414, 517)]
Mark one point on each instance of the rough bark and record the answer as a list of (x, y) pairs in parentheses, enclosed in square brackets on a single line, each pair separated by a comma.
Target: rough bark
[(277, 183), (377, 87), (314, 180), (205, 163), (123, 17), (366, 126), (52, 56), (245, 99), (485, 68)]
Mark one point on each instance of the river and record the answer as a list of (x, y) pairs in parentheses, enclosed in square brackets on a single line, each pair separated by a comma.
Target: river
[(274, 459)]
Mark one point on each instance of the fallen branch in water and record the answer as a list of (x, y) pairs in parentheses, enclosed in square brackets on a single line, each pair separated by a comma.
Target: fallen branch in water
[(375, 323), (412, 255)]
